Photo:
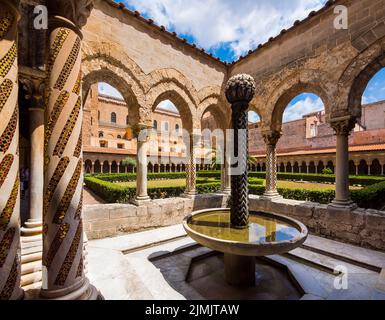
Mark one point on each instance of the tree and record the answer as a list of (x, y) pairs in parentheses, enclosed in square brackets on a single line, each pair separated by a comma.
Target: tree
[(129, 161)]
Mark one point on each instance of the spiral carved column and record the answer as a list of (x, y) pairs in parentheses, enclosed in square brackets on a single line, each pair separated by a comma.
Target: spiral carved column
[(9, 155), (240, 91), (271, 140), (191, 171), (63, 263)]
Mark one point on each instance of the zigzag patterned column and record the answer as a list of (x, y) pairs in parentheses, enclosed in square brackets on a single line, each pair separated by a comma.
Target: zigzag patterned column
[(271, 140), (9, 156), (240, 91), (191, 169), (63, 264)]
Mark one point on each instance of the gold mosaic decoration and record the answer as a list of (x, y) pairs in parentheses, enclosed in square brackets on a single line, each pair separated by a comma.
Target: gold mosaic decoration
[(5, 24), (13, 277), (70, 257), (68, 129), (78, 84), (68, 195), (79, 273), (78, 148), (54, 116), (6, 244), (8, 60), (68, 66), (57, 44), (9, 132), (58, 174), (56, 243), (5, 91), (5, 166), (6, 215), (78, 213)]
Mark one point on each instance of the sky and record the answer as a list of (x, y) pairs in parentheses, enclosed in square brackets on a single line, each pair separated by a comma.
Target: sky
[(229, 29)]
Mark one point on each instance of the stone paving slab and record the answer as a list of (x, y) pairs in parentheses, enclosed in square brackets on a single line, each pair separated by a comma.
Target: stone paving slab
[(367, 256)]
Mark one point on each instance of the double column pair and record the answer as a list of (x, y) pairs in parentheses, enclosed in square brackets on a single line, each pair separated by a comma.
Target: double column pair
[(63, 264)]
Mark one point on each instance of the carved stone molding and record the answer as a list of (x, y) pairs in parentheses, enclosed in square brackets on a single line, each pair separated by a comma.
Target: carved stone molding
[(240, 88), (271, 138), (343, 125), (77, 11), (35, 92)]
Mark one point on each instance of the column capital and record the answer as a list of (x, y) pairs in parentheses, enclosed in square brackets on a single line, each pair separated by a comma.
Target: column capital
[(14, 5), (75, 11), (240, 90), (35, 88), (343, 125), (271, 137)]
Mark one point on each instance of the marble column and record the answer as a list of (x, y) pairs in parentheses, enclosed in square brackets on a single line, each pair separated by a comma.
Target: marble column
[(63, 259), (92, 167), (33, 227), (9, 155), (342, 127), (141, 168), (191, 168), (271, 140)]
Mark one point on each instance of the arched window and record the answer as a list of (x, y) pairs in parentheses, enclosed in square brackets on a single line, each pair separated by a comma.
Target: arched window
[(113, 117), (165, 126), (119, 136), (155, 125), (98, 115), (127, 120), (101, 135), (177, 127)]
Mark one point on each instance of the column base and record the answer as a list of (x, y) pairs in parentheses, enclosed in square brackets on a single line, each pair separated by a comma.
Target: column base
[(271, 196), (226, 191), (343, 204), (140, 201), (84, 291), (189, 194), (32, 228)]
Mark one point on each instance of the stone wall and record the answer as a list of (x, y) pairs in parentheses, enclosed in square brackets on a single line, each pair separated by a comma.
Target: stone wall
[(101, 221), (365, 228)]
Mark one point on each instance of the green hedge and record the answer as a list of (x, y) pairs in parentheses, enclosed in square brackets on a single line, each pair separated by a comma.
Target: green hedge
[(323, 178), (130, 177), (113, 193)]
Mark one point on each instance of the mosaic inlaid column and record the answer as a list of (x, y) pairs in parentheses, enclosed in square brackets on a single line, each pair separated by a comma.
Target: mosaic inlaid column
[(271, 140), (63, 264), (191, 168), (342, 127), (9, 155)]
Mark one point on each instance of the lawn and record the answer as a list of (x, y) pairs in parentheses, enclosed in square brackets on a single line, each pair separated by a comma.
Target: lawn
[(309, 186), (157, 183)]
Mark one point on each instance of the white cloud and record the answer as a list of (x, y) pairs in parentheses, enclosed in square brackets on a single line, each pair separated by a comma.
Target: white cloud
[(241, 25), (106, 89), (302, 107), (167, 105)]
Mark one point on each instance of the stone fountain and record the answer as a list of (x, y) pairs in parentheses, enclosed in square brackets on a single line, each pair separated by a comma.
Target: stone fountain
[(238, 233)]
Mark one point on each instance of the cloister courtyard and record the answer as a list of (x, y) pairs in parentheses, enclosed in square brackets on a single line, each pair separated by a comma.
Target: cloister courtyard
[(135, 165)]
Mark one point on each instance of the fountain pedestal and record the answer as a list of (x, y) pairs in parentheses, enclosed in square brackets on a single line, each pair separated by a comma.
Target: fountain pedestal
[(239, 270)]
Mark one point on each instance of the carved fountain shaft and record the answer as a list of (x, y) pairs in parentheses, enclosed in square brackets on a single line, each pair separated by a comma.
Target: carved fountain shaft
[(240, 91)]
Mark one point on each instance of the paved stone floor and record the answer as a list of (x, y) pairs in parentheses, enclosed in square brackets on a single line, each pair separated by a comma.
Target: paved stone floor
[(165, 264), (91, 198)]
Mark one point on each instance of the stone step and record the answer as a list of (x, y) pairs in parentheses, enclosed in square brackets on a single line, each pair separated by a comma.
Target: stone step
[(366, 258), (324, 262), (30, 278), (31, 267)]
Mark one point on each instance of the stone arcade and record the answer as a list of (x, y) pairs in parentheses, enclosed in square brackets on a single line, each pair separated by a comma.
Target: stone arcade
[(45, 75)]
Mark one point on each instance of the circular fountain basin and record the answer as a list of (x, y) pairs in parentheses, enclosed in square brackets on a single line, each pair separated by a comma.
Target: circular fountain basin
[(267, 233)]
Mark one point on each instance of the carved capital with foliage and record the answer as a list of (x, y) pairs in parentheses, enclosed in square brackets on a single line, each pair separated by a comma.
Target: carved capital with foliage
[(240, 89), (34, 88), (343, 125), (271, 137), (77, 11)]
